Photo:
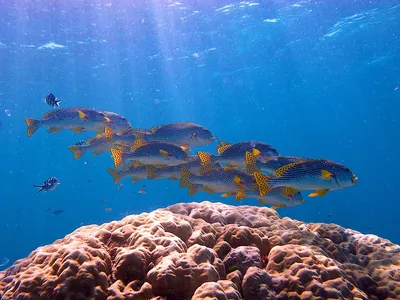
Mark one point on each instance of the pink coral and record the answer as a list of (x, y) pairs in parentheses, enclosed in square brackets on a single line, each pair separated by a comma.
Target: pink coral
[(208, 251)]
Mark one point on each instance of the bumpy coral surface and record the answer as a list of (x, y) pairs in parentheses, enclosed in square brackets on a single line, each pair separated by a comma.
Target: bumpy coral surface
[(208, 251)]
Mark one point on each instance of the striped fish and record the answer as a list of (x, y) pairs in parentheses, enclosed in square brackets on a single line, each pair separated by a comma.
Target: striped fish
[(49, 185)]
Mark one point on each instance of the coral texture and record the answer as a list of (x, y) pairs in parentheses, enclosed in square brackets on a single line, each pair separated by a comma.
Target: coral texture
[(208, 251)]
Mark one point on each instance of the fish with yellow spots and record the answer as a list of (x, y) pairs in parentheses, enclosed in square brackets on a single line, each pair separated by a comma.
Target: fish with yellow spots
[(312, 174), (137, 173), (158, 154), (234, 155), (76, 119), (278, 197), (104, 142), (181, 133)]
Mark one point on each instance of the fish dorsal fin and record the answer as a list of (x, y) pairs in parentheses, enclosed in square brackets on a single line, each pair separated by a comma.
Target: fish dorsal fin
[(185, 148), (280, 171), (124, 131), (155, 128), (50, 113), (223, 148), (91, 140), (109, 133), (138, 144)]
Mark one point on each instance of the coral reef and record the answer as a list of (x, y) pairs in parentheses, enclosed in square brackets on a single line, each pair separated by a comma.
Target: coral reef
[(208, 251)]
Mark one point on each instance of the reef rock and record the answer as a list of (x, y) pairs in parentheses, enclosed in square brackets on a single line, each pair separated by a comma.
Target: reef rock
[(208, 251)]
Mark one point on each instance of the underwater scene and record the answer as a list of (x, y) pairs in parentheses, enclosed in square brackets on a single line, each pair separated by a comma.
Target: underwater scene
[(200, 149)]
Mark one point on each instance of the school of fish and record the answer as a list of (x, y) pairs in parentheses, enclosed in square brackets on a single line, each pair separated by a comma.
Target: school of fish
[(249, 169)]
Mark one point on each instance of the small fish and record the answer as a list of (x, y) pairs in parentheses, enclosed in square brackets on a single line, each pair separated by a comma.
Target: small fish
[(48, 209), (234, 155), (142, 190), (180, 133), (108, 209), (120, 187), (76, 119), (104, 142), (151, 153), (58, 212), (313, 174), (104, 201), (49, 185), (136, 172), (52, 101)]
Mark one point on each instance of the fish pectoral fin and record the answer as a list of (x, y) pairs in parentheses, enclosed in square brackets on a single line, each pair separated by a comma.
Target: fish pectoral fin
[(256, 152), (224, 195), (326, 174), (54, 130), (77, 129), (82, 115), (319, 193), (164, 153)]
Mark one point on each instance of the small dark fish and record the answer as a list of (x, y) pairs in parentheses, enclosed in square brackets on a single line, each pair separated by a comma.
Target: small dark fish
[(49, 185), (142, 190), (58, 212), (80, 143), (108, 209), (48, 209), (104, 201), (120, 187), (52, 101)]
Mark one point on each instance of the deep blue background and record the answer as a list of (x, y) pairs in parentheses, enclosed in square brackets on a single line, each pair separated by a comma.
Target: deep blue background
[(313, 78)]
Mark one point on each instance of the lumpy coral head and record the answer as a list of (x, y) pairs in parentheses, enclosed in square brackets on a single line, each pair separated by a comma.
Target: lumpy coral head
[(208, 251)]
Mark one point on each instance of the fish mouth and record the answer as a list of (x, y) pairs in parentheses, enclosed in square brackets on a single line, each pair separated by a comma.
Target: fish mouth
[(354, 179)]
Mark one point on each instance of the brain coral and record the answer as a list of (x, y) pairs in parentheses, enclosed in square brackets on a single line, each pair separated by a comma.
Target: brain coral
[(208, 251)]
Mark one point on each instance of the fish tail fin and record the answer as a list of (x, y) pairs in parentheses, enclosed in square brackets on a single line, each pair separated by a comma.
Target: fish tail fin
[(185, 177), (262, 181), (151, 172), (109, 133), (33, 125), (115, 174), (251, 161), (57, 102), (118, 157), (41, 187), (76, 151)]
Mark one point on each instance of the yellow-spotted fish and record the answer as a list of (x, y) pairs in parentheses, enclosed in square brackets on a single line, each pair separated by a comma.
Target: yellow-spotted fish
[(312, 174), (180, 133), (193, 164), (76, 119), (104, 142), (118, 123), (137, 173), (151, 153), (234, 155)]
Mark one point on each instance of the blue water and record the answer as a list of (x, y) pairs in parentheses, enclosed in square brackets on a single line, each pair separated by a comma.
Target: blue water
[(311, 78)]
